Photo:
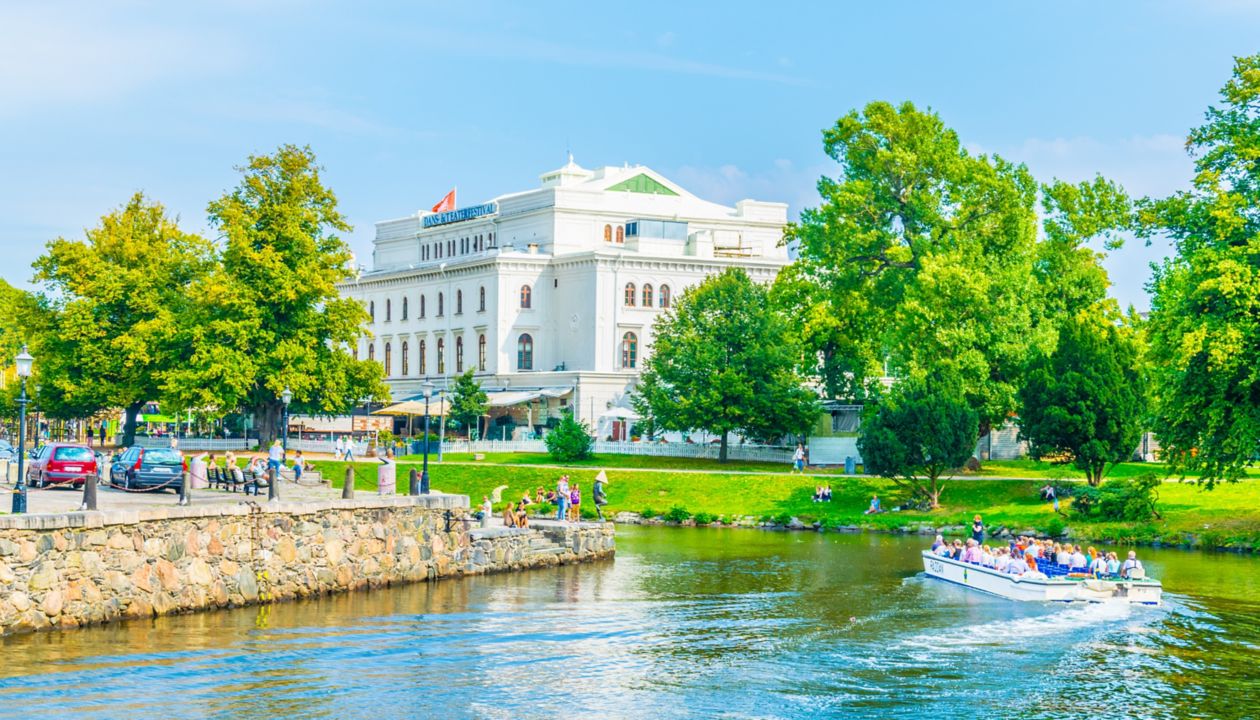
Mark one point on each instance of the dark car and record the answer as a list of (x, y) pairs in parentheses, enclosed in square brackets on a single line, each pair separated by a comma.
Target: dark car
[(138, 468), (61, 464)]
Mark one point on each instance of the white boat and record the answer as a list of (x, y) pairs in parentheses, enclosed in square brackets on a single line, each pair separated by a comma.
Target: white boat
[(1056, 589)]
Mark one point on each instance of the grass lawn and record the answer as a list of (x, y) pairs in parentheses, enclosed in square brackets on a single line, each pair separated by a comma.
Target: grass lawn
[(1228, 516), (623, 461)]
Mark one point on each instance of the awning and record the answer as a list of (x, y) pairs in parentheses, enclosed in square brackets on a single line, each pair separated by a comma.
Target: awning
[(507, 398), (437, 406), (620, 413)]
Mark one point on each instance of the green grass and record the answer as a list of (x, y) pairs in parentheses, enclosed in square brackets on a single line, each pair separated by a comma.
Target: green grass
[(623, 461), (1043, 470), (1228, 516)]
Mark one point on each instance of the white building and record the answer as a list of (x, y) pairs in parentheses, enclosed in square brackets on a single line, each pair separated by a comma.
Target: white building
[(550, 294)]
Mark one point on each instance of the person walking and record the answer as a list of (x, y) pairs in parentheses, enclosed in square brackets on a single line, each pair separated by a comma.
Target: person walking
[(103, 424), (338, 448), (348, 455), (798, 459), (562, 497), (275, 457), (597, 494)]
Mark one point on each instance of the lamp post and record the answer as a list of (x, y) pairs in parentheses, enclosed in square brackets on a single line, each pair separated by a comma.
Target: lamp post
[(24, 362), (427, 389), (286, 397)]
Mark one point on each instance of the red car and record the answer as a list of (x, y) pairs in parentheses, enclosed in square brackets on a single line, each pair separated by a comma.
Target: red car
[(61, 464)]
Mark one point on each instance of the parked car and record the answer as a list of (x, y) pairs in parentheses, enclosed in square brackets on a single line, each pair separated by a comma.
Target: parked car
[(61, 464), (138, 468), (7, 452)]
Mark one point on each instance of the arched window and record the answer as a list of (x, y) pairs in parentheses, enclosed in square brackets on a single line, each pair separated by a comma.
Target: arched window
[(372, 310), (621, 234), (404, 358), (459, 354), (647, 295), (527, 296), (423, 365), (422, 307), (525, 352), (459, 302), (629, 294), (441, 304), (664, 296), (389, 370), (481, 353), (629, 350), (387, 309), (404, 309), (371, 351), (441, 348), (608, 233), (481, 300)]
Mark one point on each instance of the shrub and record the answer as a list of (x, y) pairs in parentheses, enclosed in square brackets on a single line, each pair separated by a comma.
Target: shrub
[(648, 513), (544, 510), (1131, 499), (704, 518), (1055, 527), (571, 440), (587, 513), (783, 519), (676, 514)]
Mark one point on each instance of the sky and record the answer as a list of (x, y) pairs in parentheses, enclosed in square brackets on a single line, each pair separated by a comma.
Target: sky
[(402, 101)]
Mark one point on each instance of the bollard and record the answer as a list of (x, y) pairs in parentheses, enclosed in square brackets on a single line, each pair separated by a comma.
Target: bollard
[(184, 482), (413, 487), (273, 485), (347, 490), (89, 495)]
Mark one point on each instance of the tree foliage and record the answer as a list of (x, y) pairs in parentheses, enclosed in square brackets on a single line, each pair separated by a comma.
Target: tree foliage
[(918, 261), (270, 314), (1205, 319), (724, 361), (1127, 499), (1085, 399), (113, 316), (468, 402), (915, 434), (570, 440)]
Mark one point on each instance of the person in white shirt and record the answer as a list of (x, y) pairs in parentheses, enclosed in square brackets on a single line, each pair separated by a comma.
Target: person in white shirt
[(1017, 567), (1003, 560), (986, 557), (1078, 561), (1132, 564), (1063, 557), (1099, 566)]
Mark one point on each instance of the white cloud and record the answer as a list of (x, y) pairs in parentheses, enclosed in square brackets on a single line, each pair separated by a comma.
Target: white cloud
[(58, 54)]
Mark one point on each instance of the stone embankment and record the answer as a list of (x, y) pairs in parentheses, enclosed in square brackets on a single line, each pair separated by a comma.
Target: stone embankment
[(69, 569)]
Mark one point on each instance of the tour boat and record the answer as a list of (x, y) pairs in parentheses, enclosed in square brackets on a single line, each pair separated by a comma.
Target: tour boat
[(1144, 591)]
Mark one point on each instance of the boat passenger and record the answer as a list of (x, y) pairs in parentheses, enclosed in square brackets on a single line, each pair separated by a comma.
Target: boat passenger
[(1003, 560), (986, 557), (1062, 555), (1113, 564), (1131, 567), (972, 554), (957, 552), (938, 542), (1078, 563), (1099, 567), (1017, 567)]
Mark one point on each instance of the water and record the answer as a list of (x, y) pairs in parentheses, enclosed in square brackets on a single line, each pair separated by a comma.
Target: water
[(684, 623)]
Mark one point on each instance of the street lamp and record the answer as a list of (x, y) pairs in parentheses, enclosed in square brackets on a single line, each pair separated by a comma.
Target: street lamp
[(24, 362), (427, 389), (287, 397)]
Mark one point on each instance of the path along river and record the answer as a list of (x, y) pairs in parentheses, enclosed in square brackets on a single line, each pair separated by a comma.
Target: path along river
[(684, 623)]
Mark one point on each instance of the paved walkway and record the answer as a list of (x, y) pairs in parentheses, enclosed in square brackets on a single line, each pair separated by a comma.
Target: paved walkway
[(57, 499)]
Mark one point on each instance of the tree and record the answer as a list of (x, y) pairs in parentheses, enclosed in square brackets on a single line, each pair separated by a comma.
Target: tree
[(570, 440), (1085, 399), (271, 315), (1205, 322), (468, 402), (916, 433), (918, 262), (116, 312), (724, 361)]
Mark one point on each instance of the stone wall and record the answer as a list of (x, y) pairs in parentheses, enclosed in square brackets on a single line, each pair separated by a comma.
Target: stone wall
[(70, 569)]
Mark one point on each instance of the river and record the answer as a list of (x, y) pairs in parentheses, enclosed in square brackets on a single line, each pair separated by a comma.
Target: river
[(684, 623)]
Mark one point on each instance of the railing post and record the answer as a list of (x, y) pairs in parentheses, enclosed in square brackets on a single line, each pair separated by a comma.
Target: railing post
[(89, 495), (347, 490), (273, 485), (413, 484), (184, 482)]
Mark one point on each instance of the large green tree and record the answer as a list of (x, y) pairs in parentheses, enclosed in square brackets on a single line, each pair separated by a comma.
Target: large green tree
[(468, 403), (915, 434), (918, 262), (271, 314), (1205, 319), (116, 312), (724, 361), (1085, 399)]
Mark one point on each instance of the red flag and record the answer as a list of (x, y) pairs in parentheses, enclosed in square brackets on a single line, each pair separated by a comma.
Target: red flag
[(447, 203)]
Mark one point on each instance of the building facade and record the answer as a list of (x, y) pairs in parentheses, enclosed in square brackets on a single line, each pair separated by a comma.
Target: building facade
[(550, 294)]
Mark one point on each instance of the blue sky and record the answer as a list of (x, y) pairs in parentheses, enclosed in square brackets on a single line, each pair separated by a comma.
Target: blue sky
[(403, 100)]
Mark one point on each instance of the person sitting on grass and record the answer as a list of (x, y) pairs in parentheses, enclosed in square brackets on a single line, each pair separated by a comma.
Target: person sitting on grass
[(525, 499), (540, 497), (509, 516), (818, 493), (826, 492), (874, 508)]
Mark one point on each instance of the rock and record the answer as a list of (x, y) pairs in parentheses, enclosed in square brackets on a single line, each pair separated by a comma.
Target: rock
[(166, 574), (227, 568), (248, 584), (44, 543), (795, 524), (96, 537), (6, 574), (199, 572), (140, 578), (44, 578), (7, 547), (334, 551), (20, 601), (118, 541), (214, 547), (59, 541), (26, 552), (53, 602), (286, 550)]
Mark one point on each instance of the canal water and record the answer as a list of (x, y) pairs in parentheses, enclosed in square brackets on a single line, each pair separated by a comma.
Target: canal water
[(684, 623)]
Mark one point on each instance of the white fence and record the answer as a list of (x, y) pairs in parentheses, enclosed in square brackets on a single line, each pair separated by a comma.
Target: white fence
[(734, 452), (189, 444)]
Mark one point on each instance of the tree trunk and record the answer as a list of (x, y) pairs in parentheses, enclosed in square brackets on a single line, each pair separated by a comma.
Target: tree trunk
[(267, 422), (722, 448), (129, 424), (934, 493), (1094, 475)]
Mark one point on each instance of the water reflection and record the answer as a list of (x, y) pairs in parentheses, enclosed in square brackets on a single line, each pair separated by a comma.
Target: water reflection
[(684, 623)]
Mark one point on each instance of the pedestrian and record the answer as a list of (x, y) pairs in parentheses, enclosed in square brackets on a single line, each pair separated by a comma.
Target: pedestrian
[(575, 502), (349, 450), (798, 458), (487, 510), (338, 448), (597, 493), (102, 433), (275, 457), (977, 530), (562, 496)]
